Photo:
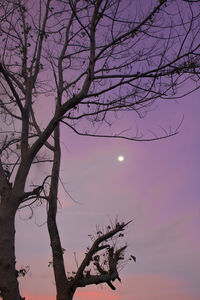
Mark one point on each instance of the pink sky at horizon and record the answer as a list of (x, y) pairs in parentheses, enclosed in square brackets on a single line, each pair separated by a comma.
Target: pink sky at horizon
[(157, 186)]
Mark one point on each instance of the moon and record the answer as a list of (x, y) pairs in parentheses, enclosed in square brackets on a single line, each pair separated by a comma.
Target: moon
[(120, 158)]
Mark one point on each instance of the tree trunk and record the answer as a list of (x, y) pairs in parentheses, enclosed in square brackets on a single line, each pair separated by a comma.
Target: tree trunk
[(69, 296), (8, 277), (58, 263)]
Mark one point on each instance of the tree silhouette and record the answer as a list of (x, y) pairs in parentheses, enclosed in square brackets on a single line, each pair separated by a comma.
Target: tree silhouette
[(90, 61)]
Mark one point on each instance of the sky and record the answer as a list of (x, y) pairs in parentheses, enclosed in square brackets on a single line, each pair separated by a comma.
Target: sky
[(156, 186)]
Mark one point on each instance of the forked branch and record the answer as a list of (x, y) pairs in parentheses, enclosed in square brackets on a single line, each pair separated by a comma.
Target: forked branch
[(107, 270)]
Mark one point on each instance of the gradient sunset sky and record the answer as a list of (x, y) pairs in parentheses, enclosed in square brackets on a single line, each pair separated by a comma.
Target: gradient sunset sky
[(157, 185)]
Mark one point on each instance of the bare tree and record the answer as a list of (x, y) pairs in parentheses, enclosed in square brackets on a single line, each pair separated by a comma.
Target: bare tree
[(90, 60)]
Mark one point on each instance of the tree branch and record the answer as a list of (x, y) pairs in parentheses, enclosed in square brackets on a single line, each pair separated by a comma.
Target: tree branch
[(106, 276), (116, 136), (9, 82)]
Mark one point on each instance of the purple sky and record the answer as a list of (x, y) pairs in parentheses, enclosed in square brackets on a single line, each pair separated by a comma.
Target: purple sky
[(157, 186)]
